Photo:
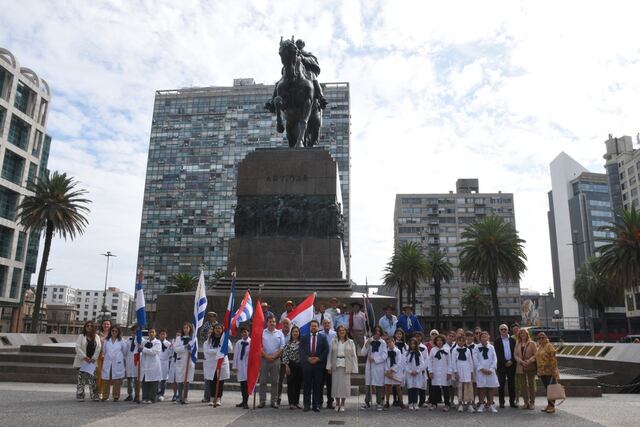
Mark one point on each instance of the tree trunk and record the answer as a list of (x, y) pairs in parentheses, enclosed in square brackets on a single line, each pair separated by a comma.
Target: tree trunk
[(413, 295), (603, 325), (35, 319), (399, 298), (436, 294), (493, 286)]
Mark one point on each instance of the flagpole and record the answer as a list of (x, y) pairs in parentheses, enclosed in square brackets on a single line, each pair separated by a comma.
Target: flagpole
[(260, 285)]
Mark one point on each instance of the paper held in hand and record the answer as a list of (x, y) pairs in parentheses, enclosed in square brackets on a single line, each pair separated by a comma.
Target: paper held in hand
[(89, 368)]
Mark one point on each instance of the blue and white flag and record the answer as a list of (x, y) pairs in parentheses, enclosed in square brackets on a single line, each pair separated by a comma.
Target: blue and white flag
[(199, 310), (141, 315), (224, 348)]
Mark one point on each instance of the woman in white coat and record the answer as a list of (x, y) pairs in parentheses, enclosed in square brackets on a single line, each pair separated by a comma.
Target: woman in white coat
[(486, 363), (240, 363), (87, 350), (394, 372), (114, 350), (375, 350), (213, 378), (439, 373), (184, 365), (150, 366), (415, 369), (172, 367)]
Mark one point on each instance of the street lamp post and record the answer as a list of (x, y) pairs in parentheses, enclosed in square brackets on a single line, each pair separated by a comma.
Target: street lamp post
[(104, 295), (557, 318)]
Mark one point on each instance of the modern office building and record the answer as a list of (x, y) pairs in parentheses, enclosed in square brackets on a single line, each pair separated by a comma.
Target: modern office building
[(24, 153), (623, 173), (59, 294), (89, 304), (579, 204), (198, 137), (436, 222)]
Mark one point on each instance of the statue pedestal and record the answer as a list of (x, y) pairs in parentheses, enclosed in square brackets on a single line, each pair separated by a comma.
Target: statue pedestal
[(288, 218)]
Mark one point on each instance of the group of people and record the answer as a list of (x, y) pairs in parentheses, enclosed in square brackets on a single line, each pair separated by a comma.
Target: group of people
[(462, 365)]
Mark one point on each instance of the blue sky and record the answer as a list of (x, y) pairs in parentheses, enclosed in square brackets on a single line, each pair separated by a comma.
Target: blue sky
[(493, 90)]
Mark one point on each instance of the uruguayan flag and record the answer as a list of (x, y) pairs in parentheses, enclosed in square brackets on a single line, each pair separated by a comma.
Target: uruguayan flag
[(199, 310), (141, 315)]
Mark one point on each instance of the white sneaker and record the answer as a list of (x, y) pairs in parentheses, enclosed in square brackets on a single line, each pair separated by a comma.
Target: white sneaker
[(460, 408), (379, 407), (337, 409), (480, 409), (493, 409), (471, 409), (342, 409), (160, 398), (416, 407), (365, 407), (210, 404)]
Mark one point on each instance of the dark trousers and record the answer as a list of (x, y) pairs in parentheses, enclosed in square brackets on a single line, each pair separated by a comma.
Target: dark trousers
[(326, 382), (244, 391), (507, 376), (413, 395), (149, 390), (212, 389), (162, 386), (281, 375), (312, 379), (294, 383), (438, 394), (546, 380)]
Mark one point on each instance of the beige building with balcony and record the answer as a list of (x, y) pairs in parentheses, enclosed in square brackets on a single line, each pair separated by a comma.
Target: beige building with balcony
[(24, 152)]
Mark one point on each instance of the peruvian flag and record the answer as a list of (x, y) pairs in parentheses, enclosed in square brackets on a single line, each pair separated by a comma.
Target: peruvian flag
[(255, 350)]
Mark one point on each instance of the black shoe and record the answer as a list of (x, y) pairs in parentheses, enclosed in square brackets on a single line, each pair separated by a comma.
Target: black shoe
[(240, 405), (502, 405), (306, 409), (245, 406), (316, 409), (274, 405), (128, 399), (262, 405), (330, 406), (513, 405)]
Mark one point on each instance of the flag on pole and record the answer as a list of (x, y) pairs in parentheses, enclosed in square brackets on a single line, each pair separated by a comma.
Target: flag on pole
[(244, 313), (199, 310), (302, 315), (224, 348), (141, 315), (255, 350)]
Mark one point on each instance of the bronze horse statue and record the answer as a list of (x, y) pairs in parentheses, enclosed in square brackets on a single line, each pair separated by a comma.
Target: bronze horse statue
[(295, 97)]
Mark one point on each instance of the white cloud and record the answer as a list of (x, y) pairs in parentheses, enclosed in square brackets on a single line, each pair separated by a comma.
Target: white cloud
[(493, 90)]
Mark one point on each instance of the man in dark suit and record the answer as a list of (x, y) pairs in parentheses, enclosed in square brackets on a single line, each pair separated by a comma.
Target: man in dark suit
[(505, 347), (314, 350)]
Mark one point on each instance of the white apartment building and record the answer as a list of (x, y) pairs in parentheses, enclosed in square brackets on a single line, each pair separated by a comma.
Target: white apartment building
[(89, 302)]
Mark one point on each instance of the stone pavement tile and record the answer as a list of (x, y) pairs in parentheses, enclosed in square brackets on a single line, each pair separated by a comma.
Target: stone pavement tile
[(615, 410)]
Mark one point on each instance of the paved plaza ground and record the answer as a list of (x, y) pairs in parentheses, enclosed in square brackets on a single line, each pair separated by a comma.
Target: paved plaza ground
[(26, 404)]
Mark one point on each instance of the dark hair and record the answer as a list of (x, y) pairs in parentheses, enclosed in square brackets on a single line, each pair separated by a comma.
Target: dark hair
[(102, 324), (315, 321), (133, 327), (162, 330), (84, 328), (441, 338), (414, 341), (401, 331), (241, 329), (114, 328), (468, 334), (291, 332), (271, 316), (217, 325), (379, 329), (190, 328)]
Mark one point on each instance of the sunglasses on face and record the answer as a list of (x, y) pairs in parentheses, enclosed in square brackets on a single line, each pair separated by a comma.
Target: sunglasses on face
[(503, 330)]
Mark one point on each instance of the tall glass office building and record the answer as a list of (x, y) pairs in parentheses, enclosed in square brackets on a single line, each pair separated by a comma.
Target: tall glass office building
[(198, 137)]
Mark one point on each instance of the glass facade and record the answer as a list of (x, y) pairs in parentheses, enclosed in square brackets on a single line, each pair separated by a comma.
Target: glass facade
[(12, 167), (8, 203), (6, 240), (18, 133), (23, 94), (198, 137), (22, 240)]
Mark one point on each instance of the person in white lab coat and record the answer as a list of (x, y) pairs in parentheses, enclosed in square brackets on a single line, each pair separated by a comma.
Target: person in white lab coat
[(375, 350), (172, 367), (439, 373), (184, 365), (165, 357), (132, 367), (462, 368), (88, 347), (240, 363), (214, 378), (113, 366), (415, 369), (394, 372), (150, 366), (486, 362)]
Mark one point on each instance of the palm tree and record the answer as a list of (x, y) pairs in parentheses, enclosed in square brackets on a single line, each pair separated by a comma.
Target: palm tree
[(474, 301), (439, 270), (619, 260), (492, 250), (411, 267), (391, 279), (591, 289), (57, 207), (182, 282)]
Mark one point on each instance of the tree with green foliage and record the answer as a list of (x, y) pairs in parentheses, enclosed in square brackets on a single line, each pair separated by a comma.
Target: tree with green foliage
[(439, 270), (619, 260), (474, 301), (182, 282)]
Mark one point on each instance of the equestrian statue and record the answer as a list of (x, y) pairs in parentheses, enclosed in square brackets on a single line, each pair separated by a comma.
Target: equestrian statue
[(298, 95)]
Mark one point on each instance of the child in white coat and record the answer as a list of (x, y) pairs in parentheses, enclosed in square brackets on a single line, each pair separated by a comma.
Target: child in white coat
[(375, 350), (415, 369), (165, 357), (150, 367), (394, 372), (132, 367), (240, 361), (172, 367), (486, 379), (184, 365), (439, 373), (462, 368), (214, 378)]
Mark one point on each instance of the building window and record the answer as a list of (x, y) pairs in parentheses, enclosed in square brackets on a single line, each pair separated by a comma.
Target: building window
[(6, 241), (32, 175), (5, 84), (3, 114), (23, 96), (18, 133), (22, 240), (8, 203), (37, 144), (3, 278), (12, 167)]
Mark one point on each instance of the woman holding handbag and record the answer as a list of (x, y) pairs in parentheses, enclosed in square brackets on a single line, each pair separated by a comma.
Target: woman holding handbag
[(547, 367), (525, 355)]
